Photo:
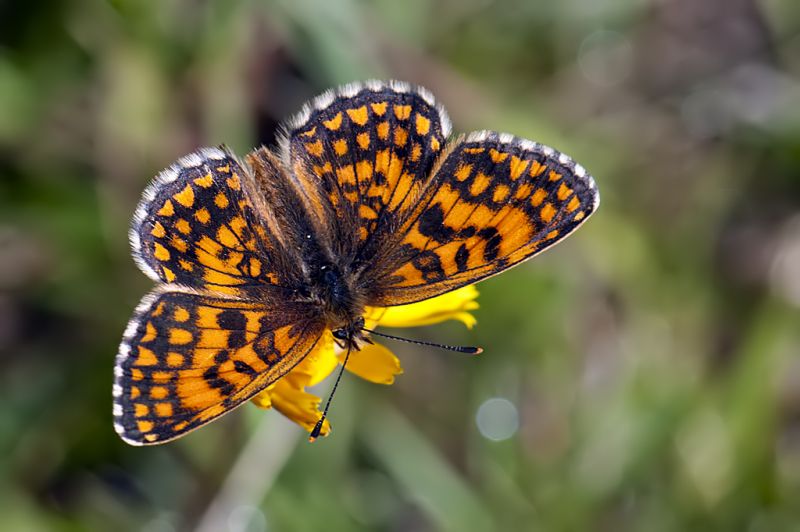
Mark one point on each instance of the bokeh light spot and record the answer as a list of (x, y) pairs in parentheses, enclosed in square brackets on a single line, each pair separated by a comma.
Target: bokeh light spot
[(497, 419)]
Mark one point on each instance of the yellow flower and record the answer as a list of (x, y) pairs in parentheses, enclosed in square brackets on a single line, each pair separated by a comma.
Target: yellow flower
[(373, 362)]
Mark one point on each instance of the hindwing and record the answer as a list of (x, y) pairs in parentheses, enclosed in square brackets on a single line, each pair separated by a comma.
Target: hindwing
[(187, 358)]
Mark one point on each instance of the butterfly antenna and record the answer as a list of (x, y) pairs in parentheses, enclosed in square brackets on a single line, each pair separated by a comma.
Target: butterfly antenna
[(318, 427), (457, 348)]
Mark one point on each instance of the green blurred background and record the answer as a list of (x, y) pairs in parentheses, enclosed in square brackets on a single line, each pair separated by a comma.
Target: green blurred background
[(644, 375)]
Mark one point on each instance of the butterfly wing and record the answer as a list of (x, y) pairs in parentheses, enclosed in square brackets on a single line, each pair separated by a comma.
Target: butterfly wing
[(362, 155), (188, 358), (494, 201), (422, 218), (204, 223)]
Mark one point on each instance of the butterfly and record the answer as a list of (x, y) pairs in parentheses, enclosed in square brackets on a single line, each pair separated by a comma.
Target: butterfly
[(365, 201)]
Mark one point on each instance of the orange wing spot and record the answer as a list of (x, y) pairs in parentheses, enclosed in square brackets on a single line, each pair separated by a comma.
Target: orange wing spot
[(547, 213), (224, 169), (146, 357), (314, 148), (404, 184), (554, 176), (364, 171), (179, 336), (140, 410), (523, 191), (234, 182), (221, 200), (473, 151), (178, 427), (363, 140), (205, 181), (497, 156), (237, 223), (158, 230), (580, 216), (181, 314), (145, 426), (207, 317), (340, 147), (538, 197), (402, 112), (202, 215), (573, 204), (163, 409), (135, 392), (183, 226), (552, 234), (416, 152), (150, 437), (400, 137), (563, 192), (383, 130), (186, 265), (310, 133), (479, 184), (352, 197), (359, 116), (324, 169), (150, 333), (382, 159), (517, 167), (393, 176), (159, 309), (334, 123), (160, 252), (435, 144), (366, 212), (185, 197), (423, 124), (162, 376), (174, 360), (463, 172), (346, 175), (227, 238), (537, 168), (178, 244), (136, 374), (379, 108), (501, 193), (362, 233), (255, 267), (167, 210)]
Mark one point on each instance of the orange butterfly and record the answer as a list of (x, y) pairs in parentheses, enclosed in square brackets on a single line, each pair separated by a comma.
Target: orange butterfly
[(365, 202)]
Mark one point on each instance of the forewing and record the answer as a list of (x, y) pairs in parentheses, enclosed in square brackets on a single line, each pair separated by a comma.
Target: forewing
[(202, 223), (362, 154), (186, 359), (494, 201)]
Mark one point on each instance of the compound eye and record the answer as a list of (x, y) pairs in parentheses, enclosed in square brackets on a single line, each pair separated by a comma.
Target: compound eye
[(340, 334)]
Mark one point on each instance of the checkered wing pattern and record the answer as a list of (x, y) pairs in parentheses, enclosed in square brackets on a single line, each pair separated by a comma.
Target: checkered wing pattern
[(362, 155), (494, 201), (204, 223), (186, 359)]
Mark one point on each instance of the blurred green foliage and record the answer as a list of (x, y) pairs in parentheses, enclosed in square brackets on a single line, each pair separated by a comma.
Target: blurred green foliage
[(652, 358)]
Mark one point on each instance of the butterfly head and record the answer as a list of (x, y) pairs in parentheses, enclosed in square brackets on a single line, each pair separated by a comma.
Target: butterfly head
[(352, 335)]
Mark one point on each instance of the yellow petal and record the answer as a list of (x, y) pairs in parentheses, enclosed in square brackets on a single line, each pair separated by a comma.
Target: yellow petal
[(374, 363), (453, 305), (299, 406), (316, 366), (263, 399)]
